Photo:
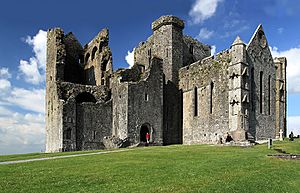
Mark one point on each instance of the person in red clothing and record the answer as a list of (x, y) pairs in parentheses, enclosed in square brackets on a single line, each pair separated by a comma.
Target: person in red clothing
[(147, 137)]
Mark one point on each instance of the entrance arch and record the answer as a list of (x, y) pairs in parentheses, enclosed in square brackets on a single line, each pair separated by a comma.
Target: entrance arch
[(85, 117), (145, 128)]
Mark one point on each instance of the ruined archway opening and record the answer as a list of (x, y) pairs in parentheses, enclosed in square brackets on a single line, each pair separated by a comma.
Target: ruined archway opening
[(84, 117), (144, 130), (85, 97)]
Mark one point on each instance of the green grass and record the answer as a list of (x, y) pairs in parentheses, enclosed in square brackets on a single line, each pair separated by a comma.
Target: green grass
[(290, 147), (14, 157), (195, 168)]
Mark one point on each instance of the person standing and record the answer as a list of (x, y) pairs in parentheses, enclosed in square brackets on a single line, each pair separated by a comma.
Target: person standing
[(147, 137)]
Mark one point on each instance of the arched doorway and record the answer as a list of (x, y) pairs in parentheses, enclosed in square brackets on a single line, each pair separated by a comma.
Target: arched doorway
[(85, 117), (144, 130)]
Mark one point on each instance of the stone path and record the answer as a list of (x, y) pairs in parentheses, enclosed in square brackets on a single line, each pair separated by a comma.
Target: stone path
[(60, 157)]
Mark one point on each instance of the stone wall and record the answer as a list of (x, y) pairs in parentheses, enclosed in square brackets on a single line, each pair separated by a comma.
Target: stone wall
[(56, 55), (137, 104), (176, 50), (145, 105), (205, 99), (72, 107), (120, 108), (263, 87), (98, 60)]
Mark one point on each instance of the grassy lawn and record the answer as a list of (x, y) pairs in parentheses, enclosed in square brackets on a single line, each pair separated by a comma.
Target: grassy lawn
[(195, 168), (14, 157)]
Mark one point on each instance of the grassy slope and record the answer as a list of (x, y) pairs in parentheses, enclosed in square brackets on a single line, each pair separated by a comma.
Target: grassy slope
[(197, 168), (14, 157)]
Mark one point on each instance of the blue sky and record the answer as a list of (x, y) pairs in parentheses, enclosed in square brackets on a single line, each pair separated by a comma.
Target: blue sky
[(23, 26)]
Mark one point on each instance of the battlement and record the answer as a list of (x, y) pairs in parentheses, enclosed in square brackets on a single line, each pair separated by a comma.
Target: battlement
[(167, 20)]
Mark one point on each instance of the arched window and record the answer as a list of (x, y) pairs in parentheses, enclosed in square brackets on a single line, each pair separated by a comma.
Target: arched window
[(87, 57), (94, 52), (195, 101), (261, 76), (252, 89)]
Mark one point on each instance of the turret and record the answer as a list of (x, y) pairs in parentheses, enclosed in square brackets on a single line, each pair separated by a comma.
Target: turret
[(238, 91), (281, 93), (168, 38)]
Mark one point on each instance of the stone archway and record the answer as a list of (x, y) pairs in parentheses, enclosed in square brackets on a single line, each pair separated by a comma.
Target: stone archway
[(145, 128), (84, 117)]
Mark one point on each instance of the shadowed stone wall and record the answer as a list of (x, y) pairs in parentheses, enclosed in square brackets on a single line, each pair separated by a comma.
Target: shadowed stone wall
[(262, 73)]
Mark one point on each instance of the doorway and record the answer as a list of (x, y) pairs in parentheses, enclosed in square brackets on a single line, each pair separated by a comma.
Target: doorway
[(144, 130)]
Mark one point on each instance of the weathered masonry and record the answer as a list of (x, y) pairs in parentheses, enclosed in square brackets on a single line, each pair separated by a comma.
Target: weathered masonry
[(176, 91)]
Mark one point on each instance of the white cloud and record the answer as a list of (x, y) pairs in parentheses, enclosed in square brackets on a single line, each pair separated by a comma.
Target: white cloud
[(4, 73), (203, 9), (39, 45), (204, 34), (33, 70), (294, 124), (213, 50), (130, 58), (293, 67), (32, 100), (4, 86), (4, 112), (21, 131), (24, 131)]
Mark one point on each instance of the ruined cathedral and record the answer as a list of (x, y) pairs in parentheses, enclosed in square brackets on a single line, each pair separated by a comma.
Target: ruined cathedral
[(176, 91)]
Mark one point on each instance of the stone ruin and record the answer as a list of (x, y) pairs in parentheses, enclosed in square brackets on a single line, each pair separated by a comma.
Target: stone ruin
[(176, 91)]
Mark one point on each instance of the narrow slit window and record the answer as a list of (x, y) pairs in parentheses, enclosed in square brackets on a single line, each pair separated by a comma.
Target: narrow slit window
[(191, 49), (149, 55), (211, 97), (94, 134), (261, 92), (269, 95), (252, 90), (195, 102), (146, 97)]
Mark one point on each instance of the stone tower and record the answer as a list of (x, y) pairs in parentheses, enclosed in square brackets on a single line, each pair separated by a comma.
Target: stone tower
[(176, 50), (77, 92), (238, 91), (167, 33), (281, 91), (54, 72)]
